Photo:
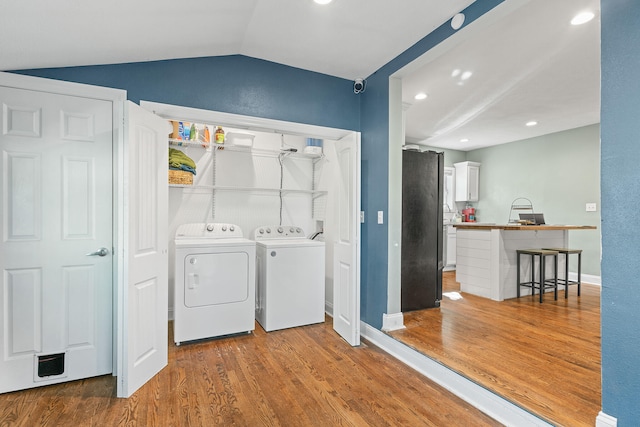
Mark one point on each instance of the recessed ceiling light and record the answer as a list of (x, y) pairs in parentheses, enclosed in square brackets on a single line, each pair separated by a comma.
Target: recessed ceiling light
[(466, 75), (323, 1), (456, 72), (532, 123), (464, 140), (421, 96), (582, 18)]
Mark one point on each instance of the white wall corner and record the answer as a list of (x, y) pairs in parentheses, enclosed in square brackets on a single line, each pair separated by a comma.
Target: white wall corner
[(392, 322), (604, 420)]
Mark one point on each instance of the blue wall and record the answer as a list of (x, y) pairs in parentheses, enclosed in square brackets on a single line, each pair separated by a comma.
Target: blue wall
[(231, 84), (620, 184)]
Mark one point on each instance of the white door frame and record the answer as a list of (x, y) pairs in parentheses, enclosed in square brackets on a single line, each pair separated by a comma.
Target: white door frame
[(117, 98), (258, 124)]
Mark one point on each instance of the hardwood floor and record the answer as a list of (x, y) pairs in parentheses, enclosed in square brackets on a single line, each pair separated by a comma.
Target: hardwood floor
[(305, 376), (542, 357)]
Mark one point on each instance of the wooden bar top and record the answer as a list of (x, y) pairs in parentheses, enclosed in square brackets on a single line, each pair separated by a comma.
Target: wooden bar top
[(485, 226)]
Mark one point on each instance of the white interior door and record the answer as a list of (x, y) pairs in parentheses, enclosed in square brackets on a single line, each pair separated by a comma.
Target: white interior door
[(346, 263), (56, 207), (143, 340)]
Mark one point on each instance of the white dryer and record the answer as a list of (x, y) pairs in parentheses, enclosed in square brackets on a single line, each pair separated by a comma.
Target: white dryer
[(214, 289), (290, 278)]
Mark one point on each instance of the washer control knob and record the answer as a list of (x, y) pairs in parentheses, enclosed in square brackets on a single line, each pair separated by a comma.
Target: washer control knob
[(193, 260), (224, 228), (261, 231), (209, 227), (298, 230), (268, 230), (280, 230), (231, 228), (292, 230)]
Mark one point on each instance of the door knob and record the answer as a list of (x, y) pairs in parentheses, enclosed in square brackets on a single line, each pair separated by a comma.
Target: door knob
[(99, 252)]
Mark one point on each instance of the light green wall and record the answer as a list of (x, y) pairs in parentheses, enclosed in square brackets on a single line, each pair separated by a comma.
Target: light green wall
[(450, 156), (559, 173)]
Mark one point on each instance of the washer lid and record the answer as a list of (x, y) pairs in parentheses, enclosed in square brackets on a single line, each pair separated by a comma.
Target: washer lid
[(289, 243)]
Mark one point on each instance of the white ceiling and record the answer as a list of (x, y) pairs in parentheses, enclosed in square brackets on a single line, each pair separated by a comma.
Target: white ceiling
[(347, 38), (528, 63)]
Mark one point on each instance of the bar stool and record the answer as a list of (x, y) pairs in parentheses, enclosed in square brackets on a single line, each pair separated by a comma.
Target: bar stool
[(565, 281), (543, 283)]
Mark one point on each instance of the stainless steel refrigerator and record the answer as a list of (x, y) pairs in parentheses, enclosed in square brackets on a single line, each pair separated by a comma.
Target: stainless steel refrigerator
[(421, 277)]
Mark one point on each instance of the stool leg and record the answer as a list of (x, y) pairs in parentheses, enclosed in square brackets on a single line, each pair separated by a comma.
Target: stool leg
[(518, 272), (541, 278), (533, 266), (566, 275), (579, 271), (555, 279)]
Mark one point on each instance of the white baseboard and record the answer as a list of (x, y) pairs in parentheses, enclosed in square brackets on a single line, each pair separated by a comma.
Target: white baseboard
[(328, 308), (392, 322), (491, 404), (604, 420), (586, 278)]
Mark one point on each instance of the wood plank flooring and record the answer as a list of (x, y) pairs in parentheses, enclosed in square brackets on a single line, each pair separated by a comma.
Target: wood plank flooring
[(305, 376), (542, 357)]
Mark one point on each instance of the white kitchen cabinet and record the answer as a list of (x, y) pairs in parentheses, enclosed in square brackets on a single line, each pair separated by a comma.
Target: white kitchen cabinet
[(467, 181), (451, 245)]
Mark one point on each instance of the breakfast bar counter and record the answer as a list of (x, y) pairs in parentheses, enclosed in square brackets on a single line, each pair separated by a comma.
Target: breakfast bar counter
[(486, 254)]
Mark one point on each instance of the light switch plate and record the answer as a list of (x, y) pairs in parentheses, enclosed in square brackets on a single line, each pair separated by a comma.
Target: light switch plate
[(380, 217), (591, 207), (361, 217)]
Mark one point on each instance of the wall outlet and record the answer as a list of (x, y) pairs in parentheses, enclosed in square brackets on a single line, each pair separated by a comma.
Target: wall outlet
[(380, 217), (591, 207)]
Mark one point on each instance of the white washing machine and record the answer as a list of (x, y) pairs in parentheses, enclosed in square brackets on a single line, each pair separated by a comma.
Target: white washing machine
[(214, 289), (290, 278)]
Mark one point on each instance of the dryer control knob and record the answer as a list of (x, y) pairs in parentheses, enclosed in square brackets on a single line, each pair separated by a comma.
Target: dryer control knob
[(268, 230), (209, 227), (280, 230), (224, 228), (298, 230), (292, 230), (231, 228), (193, 260), (261, 231)]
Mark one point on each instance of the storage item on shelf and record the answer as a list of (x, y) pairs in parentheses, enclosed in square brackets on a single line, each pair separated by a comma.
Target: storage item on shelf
[(240, 139), (218, 137), (179, 177), (180, 161)]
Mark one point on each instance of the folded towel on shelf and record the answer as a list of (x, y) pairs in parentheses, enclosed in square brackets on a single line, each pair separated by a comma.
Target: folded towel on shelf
[(183, 168), (180, 161)]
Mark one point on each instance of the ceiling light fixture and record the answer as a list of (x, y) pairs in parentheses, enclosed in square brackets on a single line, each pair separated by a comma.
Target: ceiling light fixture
[(582, 18), (421, 96), (531, 123), (323, 1), (464, 140), (466, 75)]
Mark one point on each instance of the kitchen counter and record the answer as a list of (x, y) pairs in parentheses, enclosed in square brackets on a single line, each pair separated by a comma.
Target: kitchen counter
[(484, 226), (486, 255)]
